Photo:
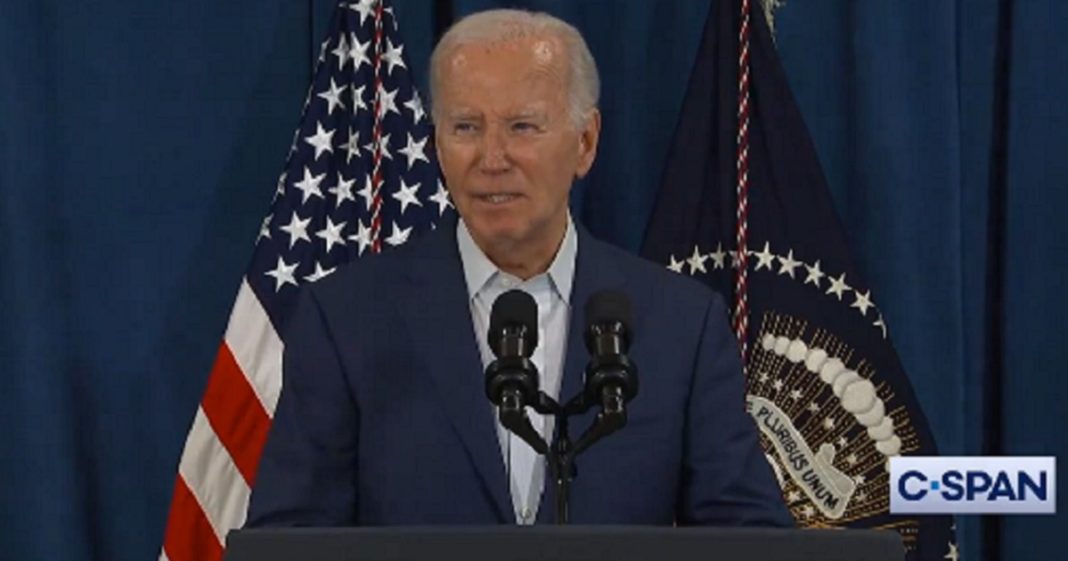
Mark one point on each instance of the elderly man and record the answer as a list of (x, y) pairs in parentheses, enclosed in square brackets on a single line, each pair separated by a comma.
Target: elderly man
[(383, 417)]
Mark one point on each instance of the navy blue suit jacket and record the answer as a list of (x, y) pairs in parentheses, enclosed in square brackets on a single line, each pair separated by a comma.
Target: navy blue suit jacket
[(383, 417)]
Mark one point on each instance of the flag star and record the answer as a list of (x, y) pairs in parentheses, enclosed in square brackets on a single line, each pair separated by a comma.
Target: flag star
[(852, 459), (358, 53), (736, 259), (367, 192), (341, 52), (807, 511), (838, 286), (364, 7), (392, 18), (812, 406), (394, 55), (415, 151), (280, 187), (333, 97), (331, 234), (319, 273), (795, 394), (842, 442), (322, 49), (399, 235), (297, 229), (763, 377), (697, 261), (343, 190), (793, 496), (860, 479), (309, 185), (357, 99), (828, 423), (283, 274), (352, 146), (719, 257), (416, 106), (406, 195), (296, 133), (952, 554), (675, 265), (881, 325), (362, 236), (321, 140), (382, 145), (814, 274), (862, 496), (777, 384), (387, 101), (787, 264), (441, 198), (764, 257), (265, 228), (862, 302)]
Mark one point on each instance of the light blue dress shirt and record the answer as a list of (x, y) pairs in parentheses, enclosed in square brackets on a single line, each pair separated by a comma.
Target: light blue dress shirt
[(552, 292)]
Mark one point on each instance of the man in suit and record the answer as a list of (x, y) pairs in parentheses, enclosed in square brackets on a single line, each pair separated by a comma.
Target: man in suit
[(383, 417)]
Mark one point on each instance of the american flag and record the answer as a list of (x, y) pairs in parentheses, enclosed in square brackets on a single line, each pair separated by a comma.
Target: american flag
[(360, 178)]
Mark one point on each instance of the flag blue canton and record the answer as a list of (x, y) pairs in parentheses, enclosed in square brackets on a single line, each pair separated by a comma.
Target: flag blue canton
[(322, 216)]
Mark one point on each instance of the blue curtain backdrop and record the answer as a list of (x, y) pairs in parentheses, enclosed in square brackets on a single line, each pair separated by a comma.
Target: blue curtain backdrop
[(139, 144)]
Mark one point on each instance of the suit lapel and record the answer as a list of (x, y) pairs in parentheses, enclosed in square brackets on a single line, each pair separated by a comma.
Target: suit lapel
[(439, 318)]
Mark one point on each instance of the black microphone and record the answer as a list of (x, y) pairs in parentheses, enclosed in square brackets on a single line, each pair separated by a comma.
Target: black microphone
[(512, 379), (611, 377)]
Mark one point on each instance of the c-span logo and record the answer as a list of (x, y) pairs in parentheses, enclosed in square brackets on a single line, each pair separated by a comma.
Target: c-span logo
[(972, 485)]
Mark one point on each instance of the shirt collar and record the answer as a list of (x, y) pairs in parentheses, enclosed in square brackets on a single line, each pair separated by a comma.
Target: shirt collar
[(478, 269)]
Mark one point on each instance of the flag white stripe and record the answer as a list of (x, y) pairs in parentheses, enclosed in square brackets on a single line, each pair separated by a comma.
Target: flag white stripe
[(214, 480), (256, 347)]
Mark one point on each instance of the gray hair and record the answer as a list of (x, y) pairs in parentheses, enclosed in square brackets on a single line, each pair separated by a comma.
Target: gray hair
[(584, 84)]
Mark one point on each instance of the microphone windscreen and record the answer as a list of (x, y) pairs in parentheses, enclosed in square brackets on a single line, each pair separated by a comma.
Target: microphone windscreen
[(608, 306), (514, 308)]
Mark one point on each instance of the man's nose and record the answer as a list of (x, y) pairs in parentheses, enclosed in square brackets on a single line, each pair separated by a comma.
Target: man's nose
[(494, 152)]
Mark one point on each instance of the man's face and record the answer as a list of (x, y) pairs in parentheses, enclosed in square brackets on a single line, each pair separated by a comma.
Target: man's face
[(507, 146)]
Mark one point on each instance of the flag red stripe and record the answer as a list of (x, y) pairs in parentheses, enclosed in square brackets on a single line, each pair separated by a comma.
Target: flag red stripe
[(189, 535), (236, 414)]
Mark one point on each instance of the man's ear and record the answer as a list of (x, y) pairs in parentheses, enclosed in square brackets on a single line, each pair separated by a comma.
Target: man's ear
[(588, 138)]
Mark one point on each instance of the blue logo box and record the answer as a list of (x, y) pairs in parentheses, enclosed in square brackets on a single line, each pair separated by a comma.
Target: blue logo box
[(973, 485)]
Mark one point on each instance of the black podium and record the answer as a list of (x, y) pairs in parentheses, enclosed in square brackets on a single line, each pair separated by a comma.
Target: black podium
[(570, 543)]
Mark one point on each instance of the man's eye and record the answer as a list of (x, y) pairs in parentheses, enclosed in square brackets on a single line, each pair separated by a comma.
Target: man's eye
[(463, 127), (523, 126)]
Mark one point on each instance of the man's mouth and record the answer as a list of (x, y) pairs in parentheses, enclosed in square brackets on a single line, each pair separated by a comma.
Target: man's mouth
[(497, 198)]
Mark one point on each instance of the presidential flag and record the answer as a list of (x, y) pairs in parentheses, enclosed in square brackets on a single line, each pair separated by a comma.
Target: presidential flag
[(744, 207), (361, 177)]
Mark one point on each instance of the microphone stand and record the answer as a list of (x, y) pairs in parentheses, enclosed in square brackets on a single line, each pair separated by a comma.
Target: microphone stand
[(562, 461), (561, 455)]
